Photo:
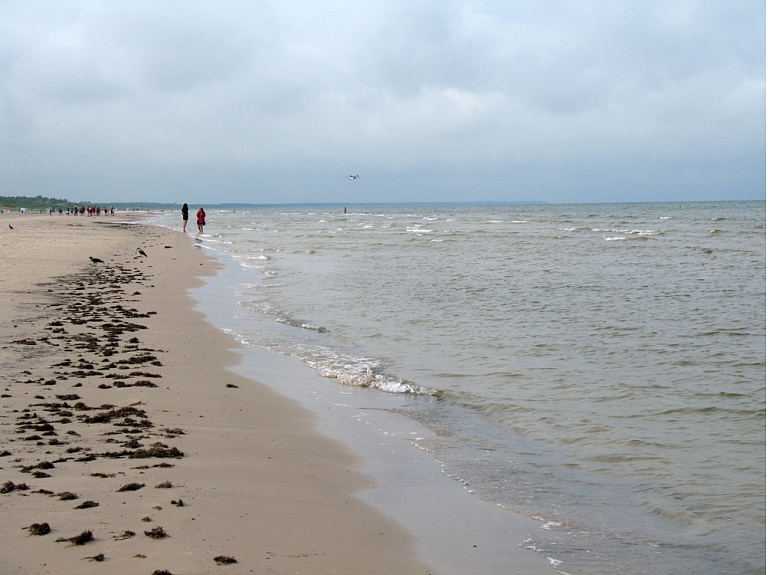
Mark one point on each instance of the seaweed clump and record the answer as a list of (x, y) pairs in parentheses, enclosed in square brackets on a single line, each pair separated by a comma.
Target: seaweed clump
[(99, 558), (131, 487), (39, 529), (224, 560), (82, 539), (7, 487), (107, 416), (156, 533), (159, 450)]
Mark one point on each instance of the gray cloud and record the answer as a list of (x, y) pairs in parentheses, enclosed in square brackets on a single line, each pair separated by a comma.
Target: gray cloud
[(271, 102)]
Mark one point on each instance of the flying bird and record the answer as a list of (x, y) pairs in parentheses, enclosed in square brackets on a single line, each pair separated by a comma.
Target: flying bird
[(141, 252), (353, 177), (95, 260)]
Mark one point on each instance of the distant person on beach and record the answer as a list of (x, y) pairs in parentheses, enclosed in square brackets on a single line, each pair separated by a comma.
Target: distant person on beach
[(184, 217), (345, 210), (200, 219)]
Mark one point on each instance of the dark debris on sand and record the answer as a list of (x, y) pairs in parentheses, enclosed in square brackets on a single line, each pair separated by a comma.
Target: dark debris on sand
[(82, 539), (99, 558), (131, 487), (92, 336), (156, 533), (39, 529), (10, 486)]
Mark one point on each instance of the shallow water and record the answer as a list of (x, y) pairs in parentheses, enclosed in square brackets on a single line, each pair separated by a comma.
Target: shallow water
[(601, 367)]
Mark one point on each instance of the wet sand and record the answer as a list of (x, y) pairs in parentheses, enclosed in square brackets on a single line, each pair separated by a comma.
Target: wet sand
[(121, 429)]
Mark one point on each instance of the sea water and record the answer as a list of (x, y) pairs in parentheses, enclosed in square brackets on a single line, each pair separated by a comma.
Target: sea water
[(598, 367)]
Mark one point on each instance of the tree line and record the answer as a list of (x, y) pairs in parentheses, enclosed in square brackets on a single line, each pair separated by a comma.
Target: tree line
[(36, 203)]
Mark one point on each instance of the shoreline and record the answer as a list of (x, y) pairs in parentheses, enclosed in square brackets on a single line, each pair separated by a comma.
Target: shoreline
[(257, 482), (454, 530)]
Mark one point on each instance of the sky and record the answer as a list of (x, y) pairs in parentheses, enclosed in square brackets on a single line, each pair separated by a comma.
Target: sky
[(278, 102)]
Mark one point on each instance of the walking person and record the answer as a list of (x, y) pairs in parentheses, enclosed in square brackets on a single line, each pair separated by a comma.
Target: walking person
[(184, 217), (200, 219)]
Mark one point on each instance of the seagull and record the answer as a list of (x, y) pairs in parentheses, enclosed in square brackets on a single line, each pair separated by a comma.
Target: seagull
[(141, 252), (353, 177), (95, 260), (10, 226)]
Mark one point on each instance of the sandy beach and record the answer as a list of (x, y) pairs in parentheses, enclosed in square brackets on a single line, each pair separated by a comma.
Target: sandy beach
[(120, 423), (127, 446)]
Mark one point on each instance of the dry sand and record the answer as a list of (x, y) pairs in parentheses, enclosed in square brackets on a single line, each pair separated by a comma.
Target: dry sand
[(110, 379)]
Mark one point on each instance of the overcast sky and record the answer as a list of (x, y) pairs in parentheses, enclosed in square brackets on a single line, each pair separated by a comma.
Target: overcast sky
[(272, 102)]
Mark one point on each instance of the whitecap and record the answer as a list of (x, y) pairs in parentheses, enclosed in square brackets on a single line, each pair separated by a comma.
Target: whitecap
[(418, 230)]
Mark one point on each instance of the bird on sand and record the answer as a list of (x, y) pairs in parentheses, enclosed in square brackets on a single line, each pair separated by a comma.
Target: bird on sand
[(351, 177), (141, 252), (95, 260), (10, 226)]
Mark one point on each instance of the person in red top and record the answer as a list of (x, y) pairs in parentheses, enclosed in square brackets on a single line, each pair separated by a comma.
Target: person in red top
[(200, 219)]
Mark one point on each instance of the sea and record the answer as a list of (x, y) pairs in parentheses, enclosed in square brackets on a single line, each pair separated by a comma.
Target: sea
[(597, 367)]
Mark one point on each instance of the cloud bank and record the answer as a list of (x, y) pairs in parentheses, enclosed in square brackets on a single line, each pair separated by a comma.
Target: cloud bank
[(272, 102)]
